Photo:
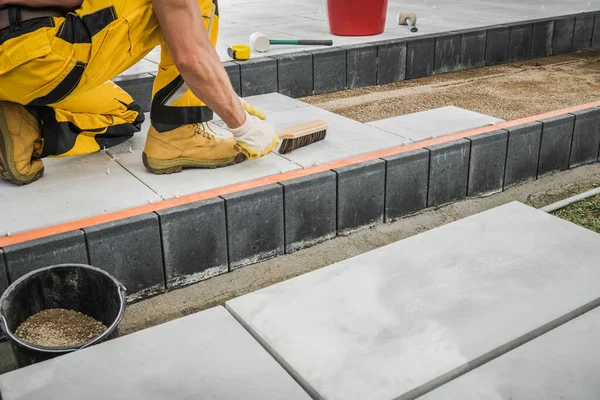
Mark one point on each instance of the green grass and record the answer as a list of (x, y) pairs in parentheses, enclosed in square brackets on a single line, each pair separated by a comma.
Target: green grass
[(585, 213)]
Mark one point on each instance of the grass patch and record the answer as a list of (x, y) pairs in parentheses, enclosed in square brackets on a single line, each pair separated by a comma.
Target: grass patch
[(585, 213)]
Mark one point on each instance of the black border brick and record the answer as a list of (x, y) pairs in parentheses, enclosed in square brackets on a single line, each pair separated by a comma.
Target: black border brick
[(64, 248), (329, 70), (3, 274), (487, 163), (255, 228), (361, 65), (523, 153), (520, 43), (194, 240), (541, 39), (129, 249), (596, 32), (497, 44), (407, 176), (361, 192), (472, 49), (447, 53), (557, 134), (392, 62), (139, 88), (584, 30), (310, 210), (586, 137), (258, 76), (562, 39), (295, 74), (420, 55), (448, 172), (233, 71)]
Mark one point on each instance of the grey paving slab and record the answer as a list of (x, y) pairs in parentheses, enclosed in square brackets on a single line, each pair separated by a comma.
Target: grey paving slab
[(202, 356), (194, 242), (562, 364), (387, 323), (487, 163), (72, 188), (473, 49), (391, 62), (345, 137), (310, 210), (434, 123), (196, 180)]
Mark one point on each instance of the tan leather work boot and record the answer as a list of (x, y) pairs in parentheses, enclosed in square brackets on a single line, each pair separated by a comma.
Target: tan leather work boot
[(20, 145), (189, 146)]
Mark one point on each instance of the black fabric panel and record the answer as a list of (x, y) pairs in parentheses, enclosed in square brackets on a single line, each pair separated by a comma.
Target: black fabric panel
[(26, 27), (99, 20), (76, 29), (176, 116), (64, 88)]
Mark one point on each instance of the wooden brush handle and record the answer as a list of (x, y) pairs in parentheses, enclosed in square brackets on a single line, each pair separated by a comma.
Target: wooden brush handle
[(304, 129)]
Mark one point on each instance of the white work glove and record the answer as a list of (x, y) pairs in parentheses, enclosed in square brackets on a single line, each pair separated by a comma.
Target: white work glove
[(257, 138)]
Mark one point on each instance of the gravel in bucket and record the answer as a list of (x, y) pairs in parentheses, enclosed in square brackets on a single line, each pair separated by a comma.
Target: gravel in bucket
[(58, 327)]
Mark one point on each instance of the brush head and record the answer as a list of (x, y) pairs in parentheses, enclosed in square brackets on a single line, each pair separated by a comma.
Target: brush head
[(402, 18), (302, 135)]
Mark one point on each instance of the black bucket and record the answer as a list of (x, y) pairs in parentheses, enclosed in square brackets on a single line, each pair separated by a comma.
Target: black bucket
[(76, 287)]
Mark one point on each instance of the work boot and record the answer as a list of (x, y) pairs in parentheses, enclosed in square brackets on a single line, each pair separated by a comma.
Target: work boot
[(189, 146), (20, 145)]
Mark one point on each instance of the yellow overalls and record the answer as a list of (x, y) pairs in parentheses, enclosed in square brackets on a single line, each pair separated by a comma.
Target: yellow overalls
[(61, 69)]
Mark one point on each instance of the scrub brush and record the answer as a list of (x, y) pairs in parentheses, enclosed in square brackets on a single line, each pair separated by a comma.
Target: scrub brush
[(302, 135)]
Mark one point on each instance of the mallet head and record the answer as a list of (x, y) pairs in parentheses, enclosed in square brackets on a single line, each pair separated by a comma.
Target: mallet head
[(402, 18), (259, 42)]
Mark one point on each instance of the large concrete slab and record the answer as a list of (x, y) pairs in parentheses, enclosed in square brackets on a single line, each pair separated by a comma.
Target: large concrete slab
[(398, 320), (562, 364), (72, 188), (434, 123), (345, 137), (203, 356)]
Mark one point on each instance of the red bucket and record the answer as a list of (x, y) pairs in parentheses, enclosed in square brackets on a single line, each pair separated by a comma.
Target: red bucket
[(357, 17)]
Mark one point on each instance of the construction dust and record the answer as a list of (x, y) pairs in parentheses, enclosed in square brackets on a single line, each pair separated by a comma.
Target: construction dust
[(509, 91), (58, 327)]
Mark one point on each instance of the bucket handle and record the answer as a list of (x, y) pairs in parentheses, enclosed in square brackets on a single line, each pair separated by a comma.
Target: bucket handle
[(122, 299)]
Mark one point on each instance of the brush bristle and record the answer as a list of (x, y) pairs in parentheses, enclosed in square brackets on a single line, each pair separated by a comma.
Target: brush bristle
[(289, 145)]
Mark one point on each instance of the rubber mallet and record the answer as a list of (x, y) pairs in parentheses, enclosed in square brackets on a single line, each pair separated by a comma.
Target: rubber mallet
[(261, 42), (409, 19)]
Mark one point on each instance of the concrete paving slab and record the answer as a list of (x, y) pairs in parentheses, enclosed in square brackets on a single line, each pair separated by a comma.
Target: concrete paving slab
[(345, 137), (389, 322), (562, 364), (72, 188), (195, 180), (201, 356), (434, 123)]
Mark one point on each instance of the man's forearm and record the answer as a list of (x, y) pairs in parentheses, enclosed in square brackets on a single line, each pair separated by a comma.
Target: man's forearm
[(197, 61)]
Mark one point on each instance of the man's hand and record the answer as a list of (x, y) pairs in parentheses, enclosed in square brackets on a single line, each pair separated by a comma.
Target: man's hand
[(257, 138)]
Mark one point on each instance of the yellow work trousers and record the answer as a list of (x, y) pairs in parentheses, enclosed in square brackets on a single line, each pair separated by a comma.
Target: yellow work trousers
[(61, 70)]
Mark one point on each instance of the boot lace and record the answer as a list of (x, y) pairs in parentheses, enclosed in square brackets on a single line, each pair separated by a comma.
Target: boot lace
[(202, 129)]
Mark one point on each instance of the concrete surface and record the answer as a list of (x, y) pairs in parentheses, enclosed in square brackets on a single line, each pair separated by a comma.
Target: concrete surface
[(206, 355), (294, 19), (434, 123), (218, 290), (562, 364), (402, 319)]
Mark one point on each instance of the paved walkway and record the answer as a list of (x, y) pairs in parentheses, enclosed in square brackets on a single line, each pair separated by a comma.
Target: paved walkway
[(296, 19)]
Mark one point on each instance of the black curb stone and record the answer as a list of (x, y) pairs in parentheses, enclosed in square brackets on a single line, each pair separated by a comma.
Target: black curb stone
[(64, 248), (523, 153), (310, 210), (295, 74), (584, 29), (130, 250), (562, 40), (361, 65), (420, 55), (233, 71), (392, 62), (329, 70), (448, 172), (541, 39), (360, 193), (557, 135), (487, 163), (596, 32), (254, 225), (194, 240), (258, 76), (447, 53), (586, 138), (3, 276), (497, 46), (139, 88), (472, 49), (520, 43), (407, 179)]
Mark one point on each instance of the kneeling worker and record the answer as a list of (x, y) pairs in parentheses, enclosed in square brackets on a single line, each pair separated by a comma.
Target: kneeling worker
[(57, 59)]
